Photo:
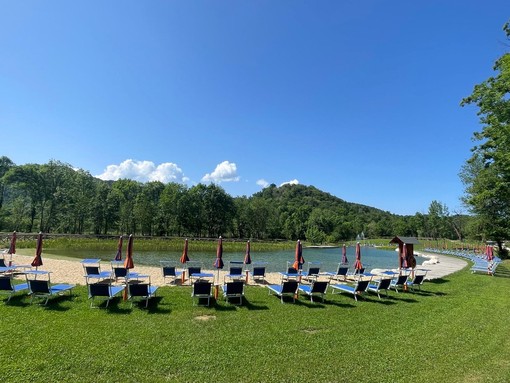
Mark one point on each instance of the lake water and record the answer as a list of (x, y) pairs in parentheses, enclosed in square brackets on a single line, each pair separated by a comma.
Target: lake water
[(276, 260)]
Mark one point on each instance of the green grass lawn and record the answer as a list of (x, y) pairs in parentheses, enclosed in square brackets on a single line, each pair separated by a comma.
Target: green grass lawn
[(455, 330)]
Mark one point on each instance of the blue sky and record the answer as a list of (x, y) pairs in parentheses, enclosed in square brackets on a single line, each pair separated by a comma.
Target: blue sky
[(357, 98)]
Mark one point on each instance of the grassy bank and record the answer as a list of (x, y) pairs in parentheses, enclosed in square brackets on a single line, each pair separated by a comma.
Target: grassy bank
[(454, 330)]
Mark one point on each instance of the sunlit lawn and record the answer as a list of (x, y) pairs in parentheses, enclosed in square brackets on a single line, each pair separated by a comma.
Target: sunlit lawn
[(455, 330)]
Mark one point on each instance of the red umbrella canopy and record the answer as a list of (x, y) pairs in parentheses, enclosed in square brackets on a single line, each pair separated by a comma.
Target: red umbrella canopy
[(247, 257), (403, 260), (118, 256), (298, 258), (344, 254), (218, 263), (12, 246), (38, 251), (128, 263), (357, 264), (184, 257)]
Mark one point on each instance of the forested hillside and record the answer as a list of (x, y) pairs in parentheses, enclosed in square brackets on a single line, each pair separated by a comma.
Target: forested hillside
[(56, 198)]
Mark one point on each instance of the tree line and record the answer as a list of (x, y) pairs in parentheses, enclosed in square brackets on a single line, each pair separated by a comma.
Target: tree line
[(56, 198)]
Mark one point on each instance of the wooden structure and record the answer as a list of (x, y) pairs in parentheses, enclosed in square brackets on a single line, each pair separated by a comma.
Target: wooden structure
[(409, 243)]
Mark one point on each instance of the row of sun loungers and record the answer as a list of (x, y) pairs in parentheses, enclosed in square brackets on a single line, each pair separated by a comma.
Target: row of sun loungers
[(480, 262), (100, 284), (364, 283)]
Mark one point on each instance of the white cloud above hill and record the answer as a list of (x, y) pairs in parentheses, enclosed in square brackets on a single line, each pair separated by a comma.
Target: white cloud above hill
[(263, 183), (224, 172), (144, 171), (293, 182)]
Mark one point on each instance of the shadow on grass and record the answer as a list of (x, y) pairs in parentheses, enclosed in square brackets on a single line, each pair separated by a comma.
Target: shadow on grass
[(252, 306), (17, 300), (438, 281), (426, 293), (154, 306), (385, 300), (54, 303), (312, 305), (402, 297)]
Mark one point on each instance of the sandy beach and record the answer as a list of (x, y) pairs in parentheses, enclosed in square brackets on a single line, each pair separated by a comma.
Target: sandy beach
[(71, 271)]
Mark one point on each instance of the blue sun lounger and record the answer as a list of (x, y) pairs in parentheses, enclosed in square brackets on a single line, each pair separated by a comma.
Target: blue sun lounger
[(42, 288), (144, 291), (382, 284), (358, 289), (103, 290), (233, 289), (286, 288), (317, 288), (9, 288)]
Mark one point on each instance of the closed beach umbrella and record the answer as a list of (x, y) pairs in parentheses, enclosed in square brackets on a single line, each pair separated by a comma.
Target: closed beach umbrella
[(118, 256), (490, 253), (344, 255), (218, 263), (298, 257), (403, 260), (247, 256), (12, 246), (184, 257), (38, 252), (357, 263), (128, 262)]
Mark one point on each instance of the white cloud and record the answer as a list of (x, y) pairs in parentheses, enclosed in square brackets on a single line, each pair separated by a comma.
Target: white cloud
[(224, 172), (293, 182), (263, 183), (144, 171)]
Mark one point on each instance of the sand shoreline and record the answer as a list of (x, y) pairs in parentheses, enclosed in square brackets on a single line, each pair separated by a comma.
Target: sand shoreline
[(71, 271)]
